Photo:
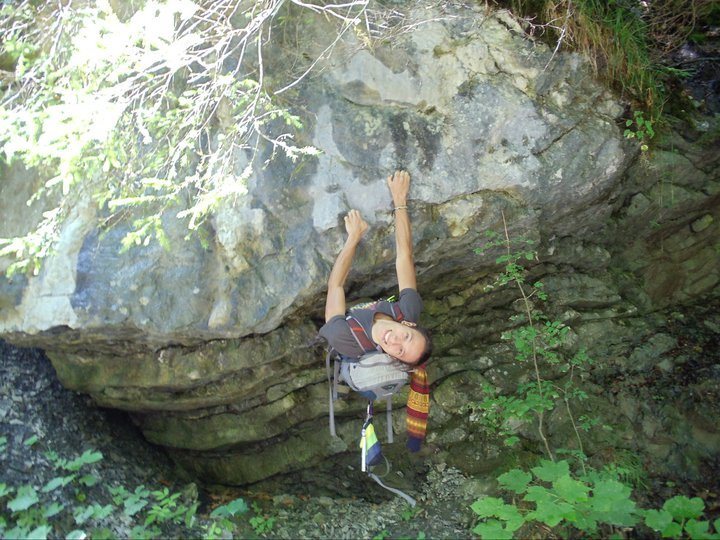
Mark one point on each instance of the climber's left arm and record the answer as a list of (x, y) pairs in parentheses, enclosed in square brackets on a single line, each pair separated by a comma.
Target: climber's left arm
[(399, 184)]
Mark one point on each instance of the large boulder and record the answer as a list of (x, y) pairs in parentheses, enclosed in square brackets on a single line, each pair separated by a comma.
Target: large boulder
[(212, 346)]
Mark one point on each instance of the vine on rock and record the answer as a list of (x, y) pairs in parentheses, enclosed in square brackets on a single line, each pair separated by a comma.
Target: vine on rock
[(558, 494), (536, 339)]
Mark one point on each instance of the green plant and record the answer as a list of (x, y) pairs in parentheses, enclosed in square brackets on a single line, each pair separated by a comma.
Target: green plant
[(680, 516), (594, 503), (132, 130), (166, 508), (35, 511), (536, 339), (639, 128), (627, 41), (30, 440), (409, 512), (261, 522), (627, 468), (552, 493), (223, 518)]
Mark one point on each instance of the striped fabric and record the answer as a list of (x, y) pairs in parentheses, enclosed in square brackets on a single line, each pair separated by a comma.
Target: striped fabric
[(418, 408), (369, 445)]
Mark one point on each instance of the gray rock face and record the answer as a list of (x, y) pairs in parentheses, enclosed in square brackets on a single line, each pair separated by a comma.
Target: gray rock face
[(211, 347), (469, 110)]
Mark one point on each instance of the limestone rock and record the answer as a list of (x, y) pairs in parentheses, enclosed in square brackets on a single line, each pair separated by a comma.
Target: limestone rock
[(211, 347)]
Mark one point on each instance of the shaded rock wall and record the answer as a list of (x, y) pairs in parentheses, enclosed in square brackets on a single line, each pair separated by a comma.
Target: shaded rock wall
[(212, 349)]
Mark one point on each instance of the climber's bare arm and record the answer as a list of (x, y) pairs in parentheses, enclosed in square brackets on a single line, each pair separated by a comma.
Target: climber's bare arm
[(335, 304), (399, 184)]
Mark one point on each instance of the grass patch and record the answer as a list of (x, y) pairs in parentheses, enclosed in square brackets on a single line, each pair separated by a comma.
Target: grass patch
[(627, 41)]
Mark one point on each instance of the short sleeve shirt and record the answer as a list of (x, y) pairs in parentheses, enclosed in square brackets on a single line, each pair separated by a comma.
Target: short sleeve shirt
[(339, 336)]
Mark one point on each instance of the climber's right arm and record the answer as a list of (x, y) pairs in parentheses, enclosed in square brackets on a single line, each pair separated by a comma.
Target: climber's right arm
[(335, 303)]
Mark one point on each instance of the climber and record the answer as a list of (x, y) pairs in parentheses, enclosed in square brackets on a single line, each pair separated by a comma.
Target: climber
[(404, 341)]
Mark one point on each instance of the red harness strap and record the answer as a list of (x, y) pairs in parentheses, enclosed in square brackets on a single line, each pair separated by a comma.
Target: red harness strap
[(362, 338), (397, 313)]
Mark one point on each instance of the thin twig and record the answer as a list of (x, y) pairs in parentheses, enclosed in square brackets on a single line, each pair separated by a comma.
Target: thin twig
[(572, 421), (563, 31), (531, 322)]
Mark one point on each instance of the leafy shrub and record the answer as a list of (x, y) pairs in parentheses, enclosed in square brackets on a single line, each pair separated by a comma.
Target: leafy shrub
[(593, 503), (552, 494), (38, 512)]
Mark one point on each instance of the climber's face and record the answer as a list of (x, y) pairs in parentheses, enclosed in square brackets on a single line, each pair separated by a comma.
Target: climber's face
[(399, 340)]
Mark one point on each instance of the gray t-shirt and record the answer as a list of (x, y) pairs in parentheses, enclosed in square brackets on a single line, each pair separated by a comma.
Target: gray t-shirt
[(339, 336)]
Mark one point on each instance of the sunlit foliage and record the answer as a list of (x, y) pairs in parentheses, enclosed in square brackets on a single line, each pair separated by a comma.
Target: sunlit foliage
[(147, 113)]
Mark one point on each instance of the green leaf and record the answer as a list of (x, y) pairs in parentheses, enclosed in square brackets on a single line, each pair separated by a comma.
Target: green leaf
[(238, 506), (608, 490), (17, 532), (716, 523), (512, 517), (190, 515), (485, 507), (515, 480), (511, 441), (82, 514), (657, 520), (549, 471), (586, 523), (133, 506), (53, 509), (682, 507), (101, 512), (493, 530), (40, 532), (537, 494), (77, 534), (26, 497), (88, 480), (611, 503), (102, 534), (674, 530), (551, 513), (57, 482), (697, 529), (494, 507), (30, 441), (87, 457), (4, 490), (571, 490)]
